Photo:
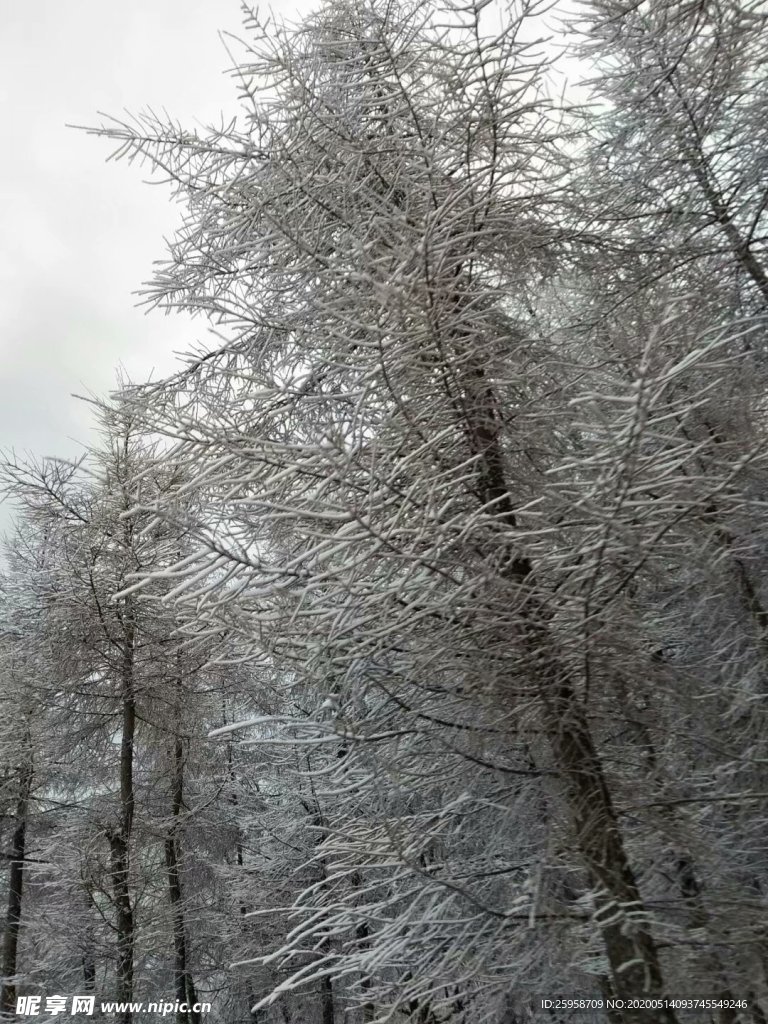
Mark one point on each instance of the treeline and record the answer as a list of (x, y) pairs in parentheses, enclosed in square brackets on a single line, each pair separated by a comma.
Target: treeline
[(403, 657)]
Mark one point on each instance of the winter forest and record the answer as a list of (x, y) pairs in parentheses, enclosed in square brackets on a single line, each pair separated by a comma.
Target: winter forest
[(403, 656)]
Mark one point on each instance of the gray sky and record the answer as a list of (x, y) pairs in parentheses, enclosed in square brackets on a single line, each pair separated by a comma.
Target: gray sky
[(78, 235)]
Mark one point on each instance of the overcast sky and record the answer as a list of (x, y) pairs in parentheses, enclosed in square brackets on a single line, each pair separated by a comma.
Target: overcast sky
[(78, 235)]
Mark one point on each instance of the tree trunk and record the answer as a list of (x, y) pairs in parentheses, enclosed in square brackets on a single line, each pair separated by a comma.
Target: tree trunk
[(89, 973), (327, 1008), (184, 985), (119, 838), (631, 951), (119, 866), (89, 955), (362, 934), (326, 998), (15, 893), (240, 861), (629, 945)]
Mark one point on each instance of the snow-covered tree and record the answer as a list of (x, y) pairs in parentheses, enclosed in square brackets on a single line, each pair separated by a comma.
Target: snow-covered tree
[(448, 491), (454, 541)]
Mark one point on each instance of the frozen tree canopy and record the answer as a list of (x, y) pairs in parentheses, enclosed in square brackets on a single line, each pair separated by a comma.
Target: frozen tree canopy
[(403, 657)]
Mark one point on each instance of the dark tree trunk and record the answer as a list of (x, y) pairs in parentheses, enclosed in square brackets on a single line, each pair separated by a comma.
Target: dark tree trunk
[(119, 867), (15, 893), (89, 973), (184, 985), (631, 953), (179, 937), (120, 837), (326, 997), (240, 861), (327, 1007)]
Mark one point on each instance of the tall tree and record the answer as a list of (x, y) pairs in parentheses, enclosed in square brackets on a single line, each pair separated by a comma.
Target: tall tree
[(394, 411), (456, 540)]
